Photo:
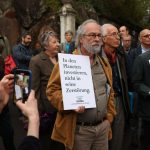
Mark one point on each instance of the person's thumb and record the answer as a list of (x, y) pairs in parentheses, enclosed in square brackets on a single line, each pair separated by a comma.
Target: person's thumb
[(20, 104), (31, 95)]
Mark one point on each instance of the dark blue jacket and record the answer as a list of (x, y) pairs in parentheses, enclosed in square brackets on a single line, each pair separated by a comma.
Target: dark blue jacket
[(130, 58), (137, 51), (22, 55)]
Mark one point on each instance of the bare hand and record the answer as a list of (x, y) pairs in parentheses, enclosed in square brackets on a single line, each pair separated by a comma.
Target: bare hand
[(80, 109), (29, 108), (7, 83), (6, 87)]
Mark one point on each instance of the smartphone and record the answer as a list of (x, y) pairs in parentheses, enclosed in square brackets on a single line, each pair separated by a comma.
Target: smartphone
[(22, 84)]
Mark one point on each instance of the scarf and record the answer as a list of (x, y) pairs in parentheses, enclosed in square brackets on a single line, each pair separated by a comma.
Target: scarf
[(111, 56)]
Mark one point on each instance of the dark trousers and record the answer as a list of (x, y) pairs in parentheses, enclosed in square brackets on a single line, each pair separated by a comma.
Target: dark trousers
[(6, 129), (118, 126), (146, 135), (45, 137)]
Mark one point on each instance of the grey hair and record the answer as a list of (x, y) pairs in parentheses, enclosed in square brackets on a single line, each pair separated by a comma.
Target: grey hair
[(105, 28), (81, 30), (44, 38), (69, 32)]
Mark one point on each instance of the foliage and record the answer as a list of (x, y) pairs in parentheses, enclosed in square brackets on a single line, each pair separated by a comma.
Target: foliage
[(129, 12), (54, 5), (84, 9)]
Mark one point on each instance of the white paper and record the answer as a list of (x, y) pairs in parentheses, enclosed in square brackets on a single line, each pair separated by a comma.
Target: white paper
[(76, 81)]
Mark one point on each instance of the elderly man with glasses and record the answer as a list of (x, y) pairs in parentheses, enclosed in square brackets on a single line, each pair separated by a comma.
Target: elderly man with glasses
[(144, 45), (85, 129), (111, 41)]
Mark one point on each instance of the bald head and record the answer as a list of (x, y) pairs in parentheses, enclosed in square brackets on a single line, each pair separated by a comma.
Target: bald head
[(144, 32), (144, 38)]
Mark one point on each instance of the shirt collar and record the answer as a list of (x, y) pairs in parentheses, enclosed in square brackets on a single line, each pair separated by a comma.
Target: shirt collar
[(144, 49)]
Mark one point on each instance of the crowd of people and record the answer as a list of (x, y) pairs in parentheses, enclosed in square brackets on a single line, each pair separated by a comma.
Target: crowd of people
[(120, 75)]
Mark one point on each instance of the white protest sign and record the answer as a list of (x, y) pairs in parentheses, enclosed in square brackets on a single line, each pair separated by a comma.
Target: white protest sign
[(76, 81)]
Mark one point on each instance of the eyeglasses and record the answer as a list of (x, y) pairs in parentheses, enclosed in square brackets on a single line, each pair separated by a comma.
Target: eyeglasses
[(146, 36), (93, 35), (114, 34)]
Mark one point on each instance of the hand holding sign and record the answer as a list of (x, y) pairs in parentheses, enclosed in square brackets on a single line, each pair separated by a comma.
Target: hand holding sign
[(80, 109)]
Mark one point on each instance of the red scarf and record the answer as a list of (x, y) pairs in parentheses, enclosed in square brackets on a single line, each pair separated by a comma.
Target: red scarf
[(111, 56)]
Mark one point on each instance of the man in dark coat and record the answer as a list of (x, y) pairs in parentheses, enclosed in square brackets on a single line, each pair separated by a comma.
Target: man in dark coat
[(111, 41), (141, 81), (143, 46), (22, 52)]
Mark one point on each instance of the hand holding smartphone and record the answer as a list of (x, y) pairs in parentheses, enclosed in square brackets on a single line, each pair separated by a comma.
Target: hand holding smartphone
[(22, 84)]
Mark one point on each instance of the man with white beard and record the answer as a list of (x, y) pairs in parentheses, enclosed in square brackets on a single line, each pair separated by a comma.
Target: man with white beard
[(85, 129)]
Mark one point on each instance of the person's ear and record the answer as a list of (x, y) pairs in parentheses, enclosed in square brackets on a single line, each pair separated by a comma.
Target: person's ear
[(140, 39), (22, 39), (46, 47), (103, 39), (81, 40)]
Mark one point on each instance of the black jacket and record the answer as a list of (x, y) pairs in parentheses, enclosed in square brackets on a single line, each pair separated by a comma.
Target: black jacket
[(123, 81), (30, 143), (141, 82)]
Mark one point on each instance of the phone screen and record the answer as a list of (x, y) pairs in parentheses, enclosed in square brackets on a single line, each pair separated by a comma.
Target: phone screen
[(22, 85)]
